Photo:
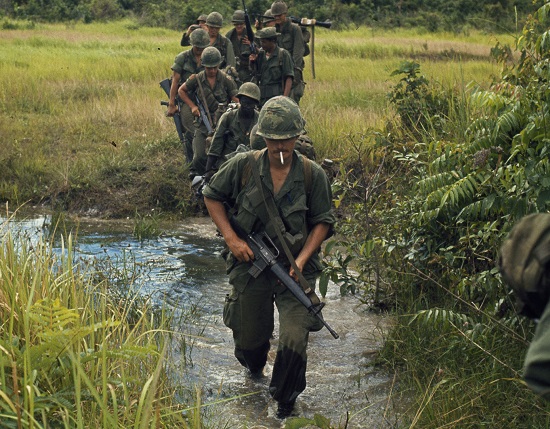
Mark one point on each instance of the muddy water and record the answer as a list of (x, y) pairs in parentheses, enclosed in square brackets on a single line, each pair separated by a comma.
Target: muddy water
[(183, 268)]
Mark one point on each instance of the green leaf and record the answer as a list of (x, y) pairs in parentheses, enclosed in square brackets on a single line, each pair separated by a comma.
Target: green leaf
[(323, 284)]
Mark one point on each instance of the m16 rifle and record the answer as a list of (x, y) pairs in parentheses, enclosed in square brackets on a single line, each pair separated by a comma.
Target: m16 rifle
[(165, 85), (265, 256), (204, 116), (249, 32)]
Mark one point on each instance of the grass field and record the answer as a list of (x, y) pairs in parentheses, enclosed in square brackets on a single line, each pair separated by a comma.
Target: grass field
[(81, 124)]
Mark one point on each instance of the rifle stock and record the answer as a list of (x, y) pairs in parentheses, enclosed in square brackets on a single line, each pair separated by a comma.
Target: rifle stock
[(265, 256), (165, 85), (307, 22)]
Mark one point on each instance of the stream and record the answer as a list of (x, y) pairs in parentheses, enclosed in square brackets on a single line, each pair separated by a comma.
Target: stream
[(184, 269)]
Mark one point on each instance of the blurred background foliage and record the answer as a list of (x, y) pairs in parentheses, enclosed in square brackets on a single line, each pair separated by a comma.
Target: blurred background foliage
[(434, 15)]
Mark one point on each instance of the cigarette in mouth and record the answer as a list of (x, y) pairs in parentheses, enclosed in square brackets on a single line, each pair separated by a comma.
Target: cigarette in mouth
[(282, 160)]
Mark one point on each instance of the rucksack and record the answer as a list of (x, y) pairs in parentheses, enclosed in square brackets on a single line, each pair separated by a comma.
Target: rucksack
[(307, 36), (523, 263)]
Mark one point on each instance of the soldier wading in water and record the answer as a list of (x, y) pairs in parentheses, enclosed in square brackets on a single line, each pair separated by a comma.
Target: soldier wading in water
[(304, 216)]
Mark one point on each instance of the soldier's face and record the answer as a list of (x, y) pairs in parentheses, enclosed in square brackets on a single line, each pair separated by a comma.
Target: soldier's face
[(279, 19), (277, 147), (213, 31), (239, 27), (267, 44), (211, 71)]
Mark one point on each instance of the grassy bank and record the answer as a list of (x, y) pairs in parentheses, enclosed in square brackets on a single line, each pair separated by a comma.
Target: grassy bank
[(82, 127), (73, 353)]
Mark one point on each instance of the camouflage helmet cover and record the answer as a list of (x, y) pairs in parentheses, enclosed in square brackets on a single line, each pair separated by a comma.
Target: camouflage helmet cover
[(279, 8), (280, 119), (211, 57), (214, 19), (238, 17), (199, 38), (267, 33), (523, 263), (202, 18), (251, 90)]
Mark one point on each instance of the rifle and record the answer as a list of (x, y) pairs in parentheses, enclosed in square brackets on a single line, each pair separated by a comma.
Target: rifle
[(265, 255), (249, 32), (165, 85), (204, 115)]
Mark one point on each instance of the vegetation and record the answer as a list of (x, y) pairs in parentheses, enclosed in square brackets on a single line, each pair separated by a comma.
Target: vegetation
[(73, 353), (440, 157), (451, 175), (451, 15)]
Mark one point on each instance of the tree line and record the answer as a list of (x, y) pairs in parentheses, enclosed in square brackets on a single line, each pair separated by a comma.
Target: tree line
[(434, 15)]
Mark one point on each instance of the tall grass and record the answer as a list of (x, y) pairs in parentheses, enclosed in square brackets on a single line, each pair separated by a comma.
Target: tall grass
[(72, 355), (80, 105)]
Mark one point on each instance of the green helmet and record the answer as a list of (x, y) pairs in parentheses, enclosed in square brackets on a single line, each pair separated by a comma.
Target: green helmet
[(279, 8), (250, 90), (238, 17), (268, 17), (199, 38), (202, 18), (267, 33), (211, 57), (214, 19), (524, 263), (280, 119)]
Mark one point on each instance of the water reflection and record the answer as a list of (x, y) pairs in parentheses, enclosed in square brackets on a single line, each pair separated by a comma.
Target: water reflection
[(184, 269)]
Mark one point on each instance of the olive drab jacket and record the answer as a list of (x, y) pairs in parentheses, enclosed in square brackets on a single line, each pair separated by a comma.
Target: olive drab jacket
[(230, 133), (186, 65), (225, 47), (242, 52), (223, 90), (271, 72), (292, 40), (298, 209)]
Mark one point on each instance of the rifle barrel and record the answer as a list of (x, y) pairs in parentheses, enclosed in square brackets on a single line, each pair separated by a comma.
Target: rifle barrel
[(306, 22)]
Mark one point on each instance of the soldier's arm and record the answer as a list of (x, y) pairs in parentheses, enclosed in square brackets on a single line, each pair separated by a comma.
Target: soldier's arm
[(316, 236)]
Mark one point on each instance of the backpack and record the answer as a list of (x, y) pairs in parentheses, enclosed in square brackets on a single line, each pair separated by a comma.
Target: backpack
[(307, 36), (523, 263)]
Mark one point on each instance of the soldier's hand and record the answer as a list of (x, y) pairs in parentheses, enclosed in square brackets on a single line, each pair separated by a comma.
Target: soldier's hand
[(195, 111), (240, 250), (172, 110), (245, 40), (208, 175)]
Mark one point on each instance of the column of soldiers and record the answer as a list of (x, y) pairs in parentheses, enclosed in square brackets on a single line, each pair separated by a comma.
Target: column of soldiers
[(276, 69), (267, 78)]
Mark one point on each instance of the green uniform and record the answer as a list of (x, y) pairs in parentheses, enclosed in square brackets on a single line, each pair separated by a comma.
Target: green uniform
[(222, 92), (292, 40), (230, 133), (186, 65), (248, 310), (537, 361), (242, 52), (272, 72), (226, 49)]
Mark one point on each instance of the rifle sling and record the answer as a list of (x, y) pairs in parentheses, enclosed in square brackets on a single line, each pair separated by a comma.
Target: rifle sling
[(271, 209), (204, 103)]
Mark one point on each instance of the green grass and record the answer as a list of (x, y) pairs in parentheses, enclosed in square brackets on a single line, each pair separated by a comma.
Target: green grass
[(80, 129), (72, 354)]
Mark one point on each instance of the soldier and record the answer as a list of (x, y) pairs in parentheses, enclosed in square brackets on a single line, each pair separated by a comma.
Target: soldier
[(211, 87), (267, 20), (308, 218), (241, 46), (234, 128), (200, 23), (292, 40), (272, 65), (214, 22), (524, 263), (187, 63)]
